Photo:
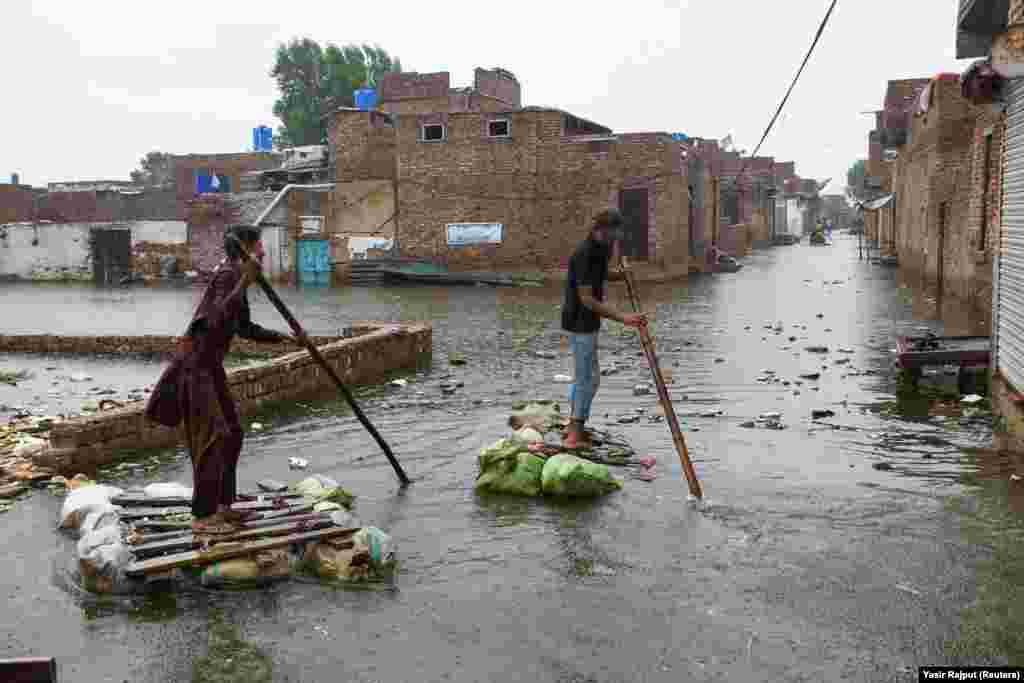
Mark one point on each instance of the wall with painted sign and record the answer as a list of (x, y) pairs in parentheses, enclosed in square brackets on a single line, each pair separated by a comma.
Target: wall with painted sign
[(465, 234)]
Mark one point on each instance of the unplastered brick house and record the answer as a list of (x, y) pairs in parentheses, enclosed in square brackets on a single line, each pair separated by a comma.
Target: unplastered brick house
[(483, 182)]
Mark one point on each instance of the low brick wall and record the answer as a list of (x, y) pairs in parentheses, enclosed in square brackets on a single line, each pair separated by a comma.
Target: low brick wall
[(143, 344), (374, 350)]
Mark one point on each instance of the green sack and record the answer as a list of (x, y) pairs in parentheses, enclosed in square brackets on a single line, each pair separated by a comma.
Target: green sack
[(507, 467), (570, 476)]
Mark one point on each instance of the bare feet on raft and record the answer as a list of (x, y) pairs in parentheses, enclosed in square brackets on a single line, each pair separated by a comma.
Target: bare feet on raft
[(212, 524)]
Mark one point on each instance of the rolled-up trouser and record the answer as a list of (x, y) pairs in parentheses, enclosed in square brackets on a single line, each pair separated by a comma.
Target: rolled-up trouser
[(587, 374)]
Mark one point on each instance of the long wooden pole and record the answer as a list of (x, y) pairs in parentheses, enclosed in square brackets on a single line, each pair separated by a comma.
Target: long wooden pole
[(659, 381), (311, 348)]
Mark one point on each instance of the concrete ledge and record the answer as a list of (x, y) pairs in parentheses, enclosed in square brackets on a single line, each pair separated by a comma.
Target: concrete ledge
[(367, 357)]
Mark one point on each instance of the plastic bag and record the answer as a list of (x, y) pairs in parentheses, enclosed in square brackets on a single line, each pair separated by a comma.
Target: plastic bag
[(263, 567), (82, 500), (102, 560), (329, 562), (571, 476), (508, 467), (543, 416), (96, 517), (168, 490), (319, 488), (344, 519), (380, 545), (527, 435)]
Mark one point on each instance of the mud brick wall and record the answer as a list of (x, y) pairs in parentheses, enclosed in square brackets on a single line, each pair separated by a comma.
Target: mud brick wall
[(362, 146), (544, 189), (364, 359), (207, 218), (933, 180), (502, 86), (146, 257)]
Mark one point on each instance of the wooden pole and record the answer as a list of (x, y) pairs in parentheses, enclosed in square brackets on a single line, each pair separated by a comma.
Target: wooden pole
[(315, 353), (659, 381)]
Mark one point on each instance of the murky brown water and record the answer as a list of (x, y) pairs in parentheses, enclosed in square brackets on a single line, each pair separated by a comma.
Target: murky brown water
[(802, 564)]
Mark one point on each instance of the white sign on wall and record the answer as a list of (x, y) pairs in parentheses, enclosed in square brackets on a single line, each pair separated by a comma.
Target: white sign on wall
[(460, 234)]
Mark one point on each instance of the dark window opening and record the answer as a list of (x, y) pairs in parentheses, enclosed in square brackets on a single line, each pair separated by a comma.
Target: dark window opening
[(986, 193), (498, 129), (433, 132)]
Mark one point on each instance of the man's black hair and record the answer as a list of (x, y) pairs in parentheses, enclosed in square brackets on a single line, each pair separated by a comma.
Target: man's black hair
[(246, 234)]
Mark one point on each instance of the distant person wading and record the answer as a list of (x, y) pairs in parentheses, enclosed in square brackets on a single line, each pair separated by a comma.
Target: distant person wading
[(582, 309)]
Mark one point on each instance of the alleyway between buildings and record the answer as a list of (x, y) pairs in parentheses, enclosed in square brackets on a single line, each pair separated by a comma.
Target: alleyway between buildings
[(853, 547)]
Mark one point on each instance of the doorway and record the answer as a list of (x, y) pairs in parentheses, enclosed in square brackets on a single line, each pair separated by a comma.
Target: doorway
[(111, 255), (633, 204)]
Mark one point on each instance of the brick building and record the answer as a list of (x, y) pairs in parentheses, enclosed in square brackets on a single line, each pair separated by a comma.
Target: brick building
[(542, 178), (474, 159), (995, 203), (932, 182), (192, 172), (17, 203), (414, 93), (892, 129)]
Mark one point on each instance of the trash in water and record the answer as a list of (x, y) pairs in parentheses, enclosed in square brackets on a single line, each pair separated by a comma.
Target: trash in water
[(564, 379), (971, 399), (641, 390), (257, 426), (819, 414), (298, 463), (399, 382)]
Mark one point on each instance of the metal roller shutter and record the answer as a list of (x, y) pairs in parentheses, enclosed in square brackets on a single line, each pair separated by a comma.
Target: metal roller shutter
[(1008, 309)]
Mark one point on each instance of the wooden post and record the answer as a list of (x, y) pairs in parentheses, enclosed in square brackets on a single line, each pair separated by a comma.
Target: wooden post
[(659, 381)]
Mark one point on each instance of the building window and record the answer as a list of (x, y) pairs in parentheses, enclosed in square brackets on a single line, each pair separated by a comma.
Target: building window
[(986, 192), (498, 128), (433, 132)]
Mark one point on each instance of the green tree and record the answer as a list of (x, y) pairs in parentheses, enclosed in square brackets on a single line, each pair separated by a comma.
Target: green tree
[(313, 81), (156, 169), (855, 176)]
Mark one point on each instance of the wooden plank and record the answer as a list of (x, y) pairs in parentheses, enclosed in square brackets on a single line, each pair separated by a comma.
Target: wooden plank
[(138, 513), (245, 501), (257, 524), (171, 529), (190, 541), (226, 551), (29, 670)]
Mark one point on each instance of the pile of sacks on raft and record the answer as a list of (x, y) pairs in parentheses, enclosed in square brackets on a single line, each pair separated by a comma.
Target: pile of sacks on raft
[(529, 461), (104, 550)]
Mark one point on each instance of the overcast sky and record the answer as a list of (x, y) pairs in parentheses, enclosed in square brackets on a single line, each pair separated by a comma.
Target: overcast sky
[(90, 87)]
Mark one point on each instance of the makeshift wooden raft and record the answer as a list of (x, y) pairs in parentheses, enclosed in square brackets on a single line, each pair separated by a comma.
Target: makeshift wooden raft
[(160, 544)]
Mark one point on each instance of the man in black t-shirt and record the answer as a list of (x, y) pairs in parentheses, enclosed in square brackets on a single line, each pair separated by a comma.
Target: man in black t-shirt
[(582, 309)]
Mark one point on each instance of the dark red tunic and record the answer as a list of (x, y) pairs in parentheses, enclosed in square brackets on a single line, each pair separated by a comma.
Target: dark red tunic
[(193, 390)]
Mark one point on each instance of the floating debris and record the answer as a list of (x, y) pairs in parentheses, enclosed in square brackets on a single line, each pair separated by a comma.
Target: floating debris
[(298, 463)]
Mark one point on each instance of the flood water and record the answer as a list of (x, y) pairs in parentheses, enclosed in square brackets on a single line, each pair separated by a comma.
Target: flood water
[(803, 562)]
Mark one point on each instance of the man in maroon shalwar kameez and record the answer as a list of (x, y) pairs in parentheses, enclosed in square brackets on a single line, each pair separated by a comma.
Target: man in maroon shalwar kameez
[(194, 391)]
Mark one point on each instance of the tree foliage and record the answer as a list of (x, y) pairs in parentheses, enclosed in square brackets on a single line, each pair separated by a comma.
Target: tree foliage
[(156, 169), (855, 177), (313, 81)]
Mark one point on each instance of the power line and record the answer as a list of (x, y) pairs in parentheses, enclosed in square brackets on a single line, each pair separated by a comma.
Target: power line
[(796, 78)]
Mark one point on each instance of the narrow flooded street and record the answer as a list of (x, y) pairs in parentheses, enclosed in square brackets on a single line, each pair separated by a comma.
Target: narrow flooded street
[(804, 562)]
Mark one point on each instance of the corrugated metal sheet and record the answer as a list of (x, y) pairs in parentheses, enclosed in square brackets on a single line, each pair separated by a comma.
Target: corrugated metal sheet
[(1008, 306)]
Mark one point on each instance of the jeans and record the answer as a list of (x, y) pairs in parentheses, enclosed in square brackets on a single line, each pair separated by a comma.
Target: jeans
[(587, 374)]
